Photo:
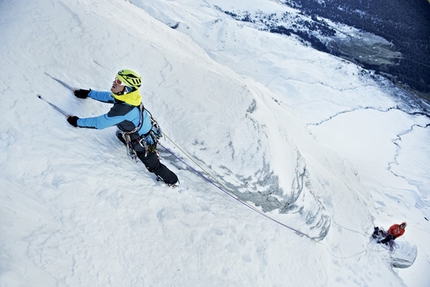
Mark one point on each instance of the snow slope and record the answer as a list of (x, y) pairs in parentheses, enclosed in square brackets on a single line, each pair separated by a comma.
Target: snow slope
[(315, 142)]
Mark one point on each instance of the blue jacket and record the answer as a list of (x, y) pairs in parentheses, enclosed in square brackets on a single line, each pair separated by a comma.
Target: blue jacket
[(126, 117)]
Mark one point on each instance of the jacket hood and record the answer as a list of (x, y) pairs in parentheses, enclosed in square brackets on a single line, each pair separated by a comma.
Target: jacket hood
[(133, 98)]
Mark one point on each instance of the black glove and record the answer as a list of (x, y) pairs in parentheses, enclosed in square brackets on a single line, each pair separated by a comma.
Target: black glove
[(82, 94), (73, 120)]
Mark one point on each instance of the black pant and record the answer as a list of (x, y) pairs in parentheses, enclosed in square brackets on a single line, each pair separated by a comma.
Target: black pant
[(153, 164), (388, 238)]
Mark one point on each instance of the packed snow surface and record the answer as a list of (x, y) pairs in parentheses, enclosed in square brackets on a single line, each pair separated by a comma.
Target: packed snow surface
[(325, 149)]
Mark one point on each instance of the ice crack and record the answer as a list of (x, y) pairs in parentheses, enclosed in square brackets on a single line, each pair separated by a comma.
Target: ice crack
[(415, 113)]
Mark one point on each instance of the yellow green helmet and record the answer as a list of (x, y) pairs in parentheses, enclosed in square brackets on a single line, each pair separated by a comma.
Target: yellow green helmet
[(130, 78)]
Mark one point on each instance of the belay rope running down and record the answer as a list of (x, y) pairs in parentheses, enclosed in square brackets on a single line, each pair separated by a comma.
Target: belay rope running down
[(212, 180)]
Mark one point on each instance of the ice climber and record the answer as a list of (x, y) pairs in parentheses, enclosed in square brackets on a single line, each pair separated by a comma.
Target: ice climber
[(132, 119), (395, 231)]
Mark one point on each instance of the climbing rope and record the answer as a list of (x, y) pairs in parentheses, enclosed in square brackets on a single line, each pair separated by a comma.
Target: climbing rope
[(204, 174), (212, 180)]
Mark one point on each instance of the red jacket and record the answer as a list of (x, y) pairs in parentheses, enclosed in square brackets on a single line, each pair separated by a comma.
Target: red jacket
[(396, 231)]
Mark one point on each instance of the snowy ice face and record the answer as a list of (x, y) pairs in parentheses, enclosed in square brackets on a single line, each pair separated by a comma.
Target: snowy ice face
[(117, 86)]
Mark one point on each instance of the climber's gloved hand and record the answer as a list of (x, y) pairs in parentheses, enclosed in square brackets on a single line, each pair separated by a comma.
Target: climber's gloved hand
[(73, 120), (82, 94)]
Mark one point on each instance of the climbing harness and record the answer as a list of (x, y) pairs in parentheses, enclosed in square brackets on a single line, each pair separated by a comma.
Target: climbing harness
[(147, 141)]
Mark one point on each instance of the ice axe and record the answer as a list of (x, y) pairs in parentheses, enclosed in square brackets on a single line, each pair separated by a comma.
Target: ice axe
[(54, 106)]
